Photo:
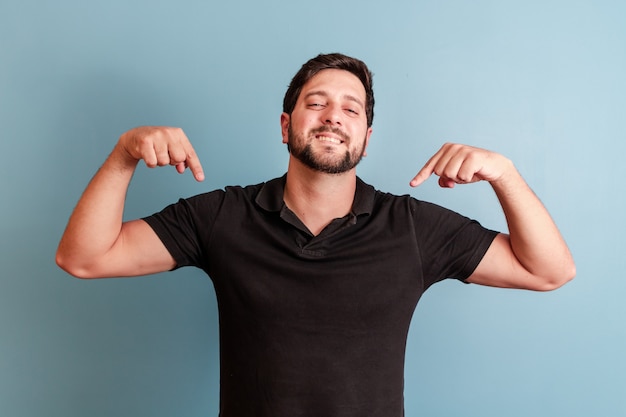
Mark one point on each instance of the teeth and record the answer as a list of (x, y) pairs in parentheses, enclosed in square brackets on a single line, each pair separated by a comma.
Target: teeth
[(327, 139)]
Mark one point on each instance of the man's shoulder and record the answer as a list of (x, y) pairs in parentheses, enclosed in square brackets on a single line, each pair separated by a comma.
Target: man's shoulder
[(266, 194), (250, 190), (381, 196), (393, 204)]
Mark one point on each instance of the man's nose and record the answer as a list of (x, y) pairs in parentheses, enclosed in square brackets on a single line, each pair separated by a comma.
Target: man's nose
[(332, 115)]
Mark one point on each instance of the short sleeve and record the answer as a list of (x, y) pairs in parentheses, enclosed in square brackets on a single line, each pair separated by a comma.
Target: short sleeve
[(185, 227), (451, 245)]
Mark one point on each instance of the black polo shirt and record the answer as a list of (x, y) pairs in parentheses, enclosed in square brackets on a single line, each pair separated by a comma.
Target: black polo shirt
[(316, 325)]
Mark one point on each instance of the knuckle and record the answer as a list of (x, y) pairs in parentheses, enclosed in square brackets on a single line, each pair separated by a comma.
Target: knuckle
[(464, 178), (163, 160), (450, 173), (143, 140)]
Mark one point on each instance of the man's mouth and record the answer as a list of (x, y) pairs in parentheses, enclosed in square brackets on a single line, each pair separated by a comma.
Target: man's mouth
[(330, 135), (329, 139)]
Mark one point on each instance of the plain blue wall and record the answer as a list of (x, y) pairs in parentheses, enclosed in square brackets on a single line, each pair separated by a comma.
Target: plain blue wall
[(543, 82)]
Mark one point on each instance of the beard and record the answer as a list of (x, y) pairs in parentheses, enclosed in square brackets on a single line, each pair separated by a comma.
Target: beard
[(328, 163)]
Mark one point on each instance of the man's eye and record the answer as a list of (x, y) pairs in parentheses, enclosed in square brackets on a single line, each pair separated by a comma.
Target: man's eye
[(349, 110)]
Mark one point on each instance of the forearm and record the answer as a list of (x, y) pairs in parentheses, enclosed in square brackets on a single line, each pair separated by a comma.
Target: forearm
[(96, 222), (534, 237)]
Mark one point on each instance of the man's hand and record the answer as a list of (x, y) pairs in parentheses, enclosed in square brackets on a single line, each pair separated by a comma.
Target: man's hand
[(160, 146), (462, 164)]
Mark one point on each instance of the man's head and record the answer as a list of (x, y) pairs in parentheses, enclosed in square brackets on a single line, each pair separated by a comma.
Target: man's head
[(331, 61), (328, 111)]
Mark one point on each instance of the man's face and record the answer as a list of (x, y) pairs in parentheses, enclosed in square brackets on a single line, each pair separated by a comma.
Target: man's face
[(327, 129)]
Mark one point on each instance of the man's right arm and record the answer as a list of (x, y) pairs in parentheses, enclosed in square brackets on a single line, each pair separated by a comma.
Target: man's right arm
[(97, 243)]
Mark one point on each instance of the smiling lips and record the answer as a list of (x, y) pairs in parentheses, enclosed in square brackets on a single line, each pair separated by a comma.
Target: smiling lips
[(330, 135), (329, 139)]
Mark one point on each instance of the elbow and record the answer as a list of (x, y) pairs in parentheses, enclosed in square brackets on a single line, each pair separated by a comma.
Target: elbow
[(556, 281), (72, 267)]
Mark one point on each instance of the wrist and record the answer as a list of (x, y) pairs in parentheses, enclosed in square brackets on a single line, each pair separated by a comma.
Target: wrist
[(122, 158), (509, 180)]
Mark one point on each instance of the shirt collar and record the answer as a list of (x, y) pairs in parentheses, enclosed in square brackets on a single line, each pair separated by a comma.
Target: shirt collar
[(270, 196)]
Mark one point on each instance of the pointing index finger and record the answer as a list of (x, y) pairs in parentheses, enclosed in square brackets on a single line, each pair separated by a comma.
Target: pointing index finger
[(192, 162), (424, 173), (421, 176), (195, 166)]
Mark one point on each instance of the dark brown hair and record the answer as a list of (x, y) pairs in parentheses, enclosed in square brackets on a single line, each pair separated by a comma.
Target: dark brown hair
[(331, 61)]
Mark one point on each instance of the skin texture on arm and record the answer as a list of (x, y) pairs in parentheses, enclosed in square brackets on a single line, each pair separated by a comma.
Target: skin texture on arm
[(96, 242), (534, 255)]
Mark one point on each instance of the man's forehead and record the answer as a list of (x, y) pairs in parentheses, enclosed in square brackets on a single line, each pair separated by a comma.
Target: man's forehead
[(332, 80)]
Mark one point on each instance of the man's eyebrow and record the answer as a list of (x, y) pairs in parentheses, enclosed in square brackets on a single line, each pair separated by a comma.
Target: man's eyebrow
[(325, 94)]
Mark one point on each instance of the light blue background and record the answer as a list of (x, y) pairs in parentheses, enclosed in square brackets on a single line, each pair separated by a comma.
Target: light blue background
[(543, 82)]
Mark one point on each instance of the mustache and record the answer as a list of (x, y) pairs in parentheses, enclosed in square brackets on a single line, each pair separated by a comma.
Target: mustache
[(330, 129)]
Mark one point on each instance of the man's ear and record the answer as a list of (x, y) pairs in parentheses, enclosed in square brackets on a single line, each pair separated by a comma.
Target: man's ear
[(367, 140), (284, 126)]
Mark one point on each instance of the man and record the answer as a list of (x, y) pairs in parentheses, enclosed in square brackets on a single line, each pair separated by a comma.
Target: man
[(316, 273)]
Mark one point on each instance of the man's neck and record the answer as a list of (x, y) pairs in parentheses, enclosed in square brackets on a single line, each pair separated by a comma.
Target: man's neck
[(318, 198)]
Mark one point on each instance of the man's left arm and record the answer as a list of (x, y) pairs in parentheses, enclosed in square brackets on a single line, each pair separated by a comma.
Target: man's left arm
[(534, 255)]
